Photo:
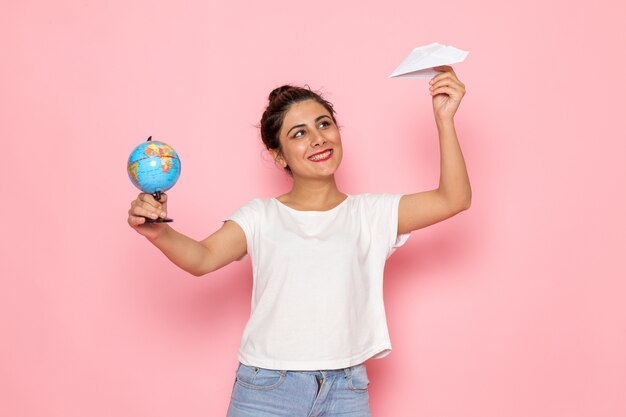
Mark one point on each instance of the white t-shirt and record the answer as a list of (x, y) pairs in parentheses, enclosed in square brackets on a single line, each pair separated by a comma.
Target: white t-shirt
[(317, 297)]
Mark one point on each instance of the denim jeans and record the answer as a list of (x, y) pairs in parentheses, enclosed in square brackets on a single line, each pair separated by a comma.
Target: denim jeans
[(259, 392)]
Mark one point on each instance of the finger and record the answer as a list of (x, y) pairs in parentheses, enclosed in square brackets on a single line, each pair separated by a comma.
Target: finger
[(443, 83), (444, 90), (444, 75), (162, 209), (150, 197), (444, 71), (440, 77), (141, 207), (446, 68), (439, 83), (159, 209), (145, 210), (454, 86), (148, 200), (135, 221)]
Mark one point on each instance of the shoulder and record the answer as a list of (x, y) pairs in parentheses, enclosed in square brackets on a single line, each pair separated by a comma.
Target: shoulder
[(377, 206), (376, 199), (250, 209), (256, 203)]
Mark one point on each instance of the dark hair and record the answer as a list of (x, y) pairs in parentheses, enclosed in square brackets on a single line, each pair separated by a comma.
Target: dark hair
[(280, 100)]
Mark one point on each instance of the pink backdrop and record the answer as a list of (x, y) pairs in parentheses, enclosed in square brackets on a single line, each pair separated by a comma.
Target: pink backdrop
[(513, 308)]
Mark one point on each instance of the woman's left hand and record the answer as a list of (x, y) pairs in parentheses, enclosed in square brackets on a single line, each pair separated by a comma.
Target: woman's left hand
[(447, 92)]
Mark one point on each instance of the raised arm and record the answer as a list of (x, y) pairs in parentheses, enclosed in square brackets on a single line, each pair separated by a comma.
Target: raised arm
[(454, 193), (198, 258)]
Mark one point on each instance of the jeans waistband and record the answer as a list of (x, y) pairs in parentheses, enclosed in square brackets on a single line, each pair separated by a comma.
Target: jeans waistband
[(347, 371)]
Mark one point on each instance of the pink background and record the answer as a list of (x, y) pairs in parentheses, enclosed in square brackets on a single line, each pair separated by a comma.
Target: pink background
[(513, 308)]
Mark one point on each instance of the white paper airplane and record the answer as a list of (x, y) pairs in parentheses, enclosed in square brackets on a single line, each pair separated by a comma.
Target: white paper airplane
[(420, 62)]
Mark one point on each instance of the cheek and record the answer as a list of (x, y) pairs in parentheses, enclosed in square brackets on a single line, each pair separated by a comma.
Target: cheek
[(294, 150)]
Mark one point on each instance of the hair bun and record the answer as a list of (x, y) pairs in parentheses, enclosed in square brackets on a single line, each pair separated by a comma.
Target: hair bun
[(279, 90)]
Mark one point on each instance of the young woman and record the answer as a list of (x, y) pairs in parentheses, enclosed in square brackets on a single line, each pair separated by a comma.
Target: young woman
[(318, 256)]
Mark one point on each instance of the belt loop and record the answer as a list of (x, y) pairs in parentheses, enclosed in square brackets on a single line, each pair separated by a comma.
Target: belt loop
[(347, 371)]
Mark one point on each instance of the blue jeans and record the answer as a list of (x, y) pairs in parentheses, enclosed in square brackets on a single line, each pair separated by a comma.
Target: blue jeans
[(260, 392)]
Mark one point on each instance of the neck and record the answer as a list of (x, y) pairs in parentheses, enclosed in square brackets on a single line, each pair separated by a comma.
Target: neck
[(314, 193)]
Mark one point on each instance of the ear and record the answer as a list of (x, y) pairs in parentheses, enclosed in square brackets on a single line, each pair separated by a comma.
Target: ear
[(277, 156)]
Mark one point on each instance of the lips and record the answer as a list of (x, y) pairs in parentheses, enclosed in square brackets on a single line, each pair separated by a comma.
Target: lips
[(321, 156)]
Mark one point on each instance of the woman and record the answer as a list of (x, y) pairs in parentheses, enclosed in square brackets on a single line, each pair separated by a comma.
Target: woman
[(318, 256)]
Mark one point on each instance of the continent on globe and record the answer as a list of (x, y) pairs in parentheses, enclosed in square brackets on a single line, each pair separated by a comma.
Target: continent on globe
[(163, 151), (133, 168)]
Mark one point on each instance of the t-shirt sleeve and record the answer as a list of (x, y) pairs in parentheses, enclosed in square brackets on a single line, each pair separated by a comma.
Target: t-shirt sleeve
[(246, 216), (395, 239), (385, 217)]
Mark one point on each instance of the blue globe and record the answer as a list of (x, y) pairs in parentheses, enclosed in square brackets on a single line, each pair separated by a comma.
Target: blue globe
[(153, 167)]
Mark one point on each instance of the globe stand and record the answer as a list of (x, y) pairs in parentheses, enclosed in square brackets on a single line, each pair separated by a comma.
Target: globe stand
[(157, 197)]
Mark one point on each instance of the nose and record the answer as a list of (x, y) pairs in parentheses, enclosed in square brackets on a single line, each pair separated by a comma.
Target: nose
[(317, 139)]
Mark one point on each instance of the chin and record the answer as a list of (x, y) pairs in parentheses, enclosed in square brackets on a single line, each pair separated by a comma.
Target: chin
[(326, 173)]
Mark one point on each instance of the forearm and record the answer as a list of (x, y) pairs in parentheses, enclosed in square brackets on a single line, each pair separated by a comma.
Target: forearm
[(186, 253), (454, 182)]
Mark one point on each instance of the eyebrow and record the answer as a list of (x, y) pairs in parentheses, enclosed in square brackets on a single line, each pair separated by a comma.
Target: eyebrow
[(318, 118)]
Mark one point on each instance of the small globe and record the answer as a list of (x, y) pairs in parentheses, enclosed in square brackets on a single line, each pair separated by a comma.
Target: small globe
[(153, 167)]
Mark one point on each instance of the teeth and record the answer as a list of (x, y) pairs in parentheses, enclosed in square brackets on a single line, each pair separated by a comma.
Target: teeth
[(321, 156)]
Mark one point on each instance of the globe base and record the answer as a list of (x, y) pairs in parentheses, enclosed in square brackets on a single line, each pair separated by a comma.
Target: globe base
[(159, 220)]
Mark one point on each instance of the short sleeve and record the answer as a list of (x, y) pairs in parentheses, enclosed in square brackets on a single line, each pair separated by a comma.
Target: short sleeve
[(395, 239), (383, 213), (246, 217)]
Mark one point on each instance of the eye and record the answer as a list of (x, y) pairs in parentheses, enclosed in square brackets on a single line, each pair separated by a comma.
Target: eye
[(298, 133), (326, 122)]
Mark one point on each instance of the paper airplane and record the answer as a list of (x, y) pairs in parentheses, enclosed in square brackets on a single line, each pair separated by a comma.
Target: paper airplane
[(420, 62)]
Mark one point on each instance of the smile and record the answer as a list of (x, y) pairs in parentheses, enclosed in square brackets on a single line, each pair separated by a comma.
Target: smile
[(322, 156)]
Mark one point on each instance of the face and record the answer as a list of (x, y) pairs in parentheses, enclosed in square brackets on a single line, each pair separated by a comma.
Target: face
[(310, 141)]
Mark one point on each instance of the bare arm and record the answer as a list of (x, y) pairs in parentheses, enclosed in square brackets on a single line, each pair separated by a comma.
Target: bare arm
[(198, 258), (224, 246), (454, 193)]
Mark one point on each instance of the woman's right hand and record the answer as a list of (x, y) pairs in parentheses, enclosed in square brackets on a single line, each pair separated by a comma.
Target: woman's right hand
[(145, 205)]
